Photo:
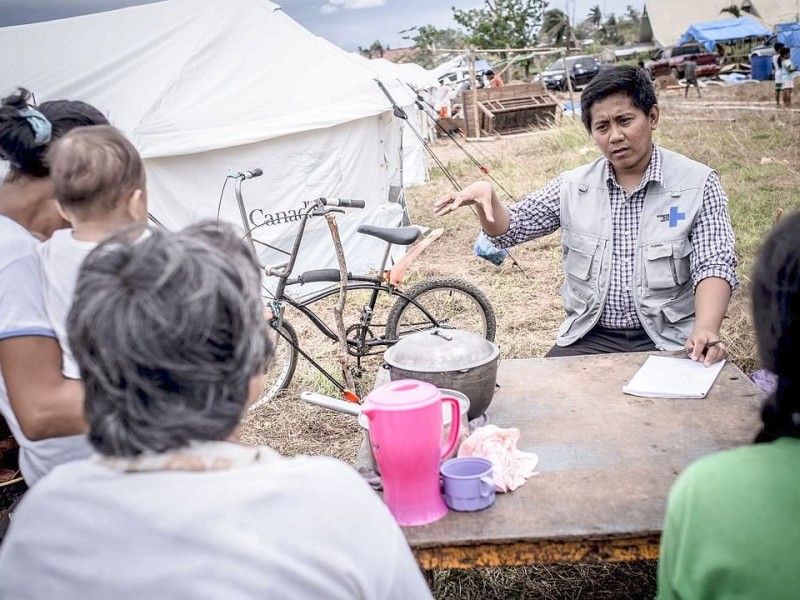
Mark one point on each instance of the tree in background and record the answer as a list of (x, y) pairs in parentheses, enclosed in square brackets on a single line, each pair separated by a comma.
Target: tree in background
[(502, 23), (376, 50), (610, 33), (555, 25), (595, 17), (428, 37), (633, 15), (732, 9)]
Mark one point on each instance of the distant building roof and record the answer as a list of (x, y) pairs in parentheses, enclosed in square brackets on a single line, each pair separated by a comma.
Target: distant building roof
[(396, 54)]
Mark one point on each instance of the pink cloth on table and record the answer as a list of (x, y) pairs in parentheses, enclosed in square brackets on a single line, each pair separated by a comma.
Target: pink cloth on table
[(511, 467)]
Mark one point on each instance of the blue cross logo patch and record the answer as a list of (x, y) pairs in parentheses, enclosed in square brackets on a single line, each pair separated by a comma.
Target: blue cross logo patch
[(675, 216)]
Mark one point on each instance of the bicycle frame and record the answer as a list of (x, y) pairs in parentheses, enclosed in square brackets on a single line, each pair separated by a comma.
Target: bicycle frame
[(384, 283)]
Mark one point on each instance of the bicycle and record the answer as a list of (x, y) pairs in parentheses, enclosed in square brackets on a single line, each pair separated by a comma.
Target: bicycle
[(435, 302)]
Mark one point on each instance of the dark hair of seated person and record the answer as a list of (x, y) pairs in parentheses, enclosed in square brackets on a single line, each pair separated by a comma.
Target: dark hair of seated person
[(18, 144), (776, 312)]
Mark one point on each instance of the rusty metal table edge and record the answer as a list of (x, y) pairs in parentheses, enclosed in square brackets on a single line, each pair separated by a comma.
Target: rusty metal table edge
[(640, 547)]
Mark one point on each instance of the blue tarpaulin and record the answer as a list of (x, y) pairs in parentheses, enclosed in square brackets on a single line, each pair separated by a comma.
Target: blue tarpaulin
[(724, 31), (789, 34)]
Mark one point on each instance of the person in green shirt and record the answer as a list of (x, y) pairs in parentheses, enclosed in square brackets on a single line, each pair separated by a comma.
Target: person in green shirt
[(732, 528)]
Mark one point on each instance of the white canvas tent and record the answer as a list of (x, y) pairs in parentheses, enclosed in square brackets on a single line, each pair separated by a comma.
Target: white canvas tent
[(416, 128), (205, 86)]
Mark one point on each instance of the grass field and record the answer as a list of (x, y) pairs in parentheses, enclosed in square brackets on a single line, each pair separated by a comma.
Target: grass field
[(735, 130)]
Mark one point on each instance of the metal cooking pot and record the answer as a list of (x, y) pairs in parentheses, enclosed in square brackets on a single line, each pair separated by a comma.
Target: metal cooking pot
[(448, 358)]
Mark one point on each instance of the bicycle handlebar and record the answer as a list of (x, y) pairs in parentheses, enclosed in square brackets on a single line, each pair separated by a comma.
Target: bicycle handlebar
[(342, 202), (251, 174)]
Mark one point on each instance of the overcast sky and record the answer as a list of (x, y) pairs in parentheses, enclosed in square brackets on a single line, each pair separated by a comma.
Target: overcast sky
[(346, 23)]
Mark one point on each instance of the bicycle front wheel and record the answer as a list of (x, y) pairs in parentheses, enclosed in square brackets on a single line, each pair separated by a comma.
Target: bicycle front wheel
[(452, 303), (279, 367)]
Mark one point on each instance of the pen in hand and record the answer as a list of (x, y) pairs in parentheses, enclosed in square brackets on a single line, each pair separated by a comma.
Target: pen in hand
[(705, 350)]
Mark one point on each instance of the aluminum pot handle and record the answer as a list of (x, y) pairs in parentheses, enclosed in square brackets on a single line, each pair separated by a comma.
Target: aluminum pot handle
[(455, 425)]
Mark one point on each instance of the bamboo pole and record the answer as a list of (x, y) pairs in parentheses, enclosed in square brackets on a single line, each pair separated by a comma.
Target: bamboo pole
[(497, 50)]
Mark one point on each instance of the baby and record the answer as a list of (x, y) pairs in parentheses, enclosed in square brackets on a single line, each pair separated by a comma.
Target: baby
[(99, 182)]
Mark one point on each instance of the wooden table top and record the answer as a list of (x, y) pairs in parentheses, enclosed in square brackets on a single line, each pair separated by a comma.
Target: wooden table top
[(606, 463)]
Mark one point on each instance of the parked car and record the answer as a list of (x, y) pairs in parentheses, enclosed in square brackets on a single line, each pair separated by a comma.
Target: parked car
[(669, 61), (582, 69), (461, 77), (766, 49)]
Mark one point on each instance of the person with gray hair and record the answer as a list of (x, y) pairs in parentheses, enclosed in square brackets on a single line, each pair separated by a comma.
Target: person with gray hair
[(170, 339)]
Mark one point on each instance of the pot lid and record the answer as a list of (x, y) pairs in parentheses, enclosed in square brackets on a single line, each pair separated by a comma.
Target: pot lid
[(441, 350)]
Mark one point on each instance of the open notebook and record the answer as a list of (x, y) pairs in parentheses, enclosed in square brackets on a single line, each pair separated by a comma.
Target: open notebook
[(665, 377)]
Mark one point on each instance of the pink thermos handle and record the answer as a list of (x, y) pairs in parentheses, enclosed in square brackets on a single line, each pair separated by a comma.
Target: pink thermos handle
[(455, 424)]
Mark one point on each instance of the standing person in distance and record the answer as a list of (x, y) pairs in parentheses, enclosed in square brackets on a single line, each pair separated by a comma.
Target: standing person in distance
[(648, 247), (690, 74), (787, 75), (495, 81), (776, 70)]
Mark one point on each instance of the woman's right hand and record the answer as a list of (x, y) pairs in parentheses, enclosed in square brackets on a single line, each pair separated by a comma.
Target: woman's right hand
[(480, 194)]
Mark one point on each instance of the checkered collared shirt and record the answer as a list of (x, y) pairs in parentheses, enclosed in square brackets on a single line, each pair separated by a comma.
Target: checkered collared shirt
[(539, 213)]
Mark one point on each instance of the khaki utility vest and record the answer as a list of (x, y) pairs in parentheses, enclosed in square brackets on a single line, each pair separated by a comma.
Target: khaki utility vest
[(662, 288)]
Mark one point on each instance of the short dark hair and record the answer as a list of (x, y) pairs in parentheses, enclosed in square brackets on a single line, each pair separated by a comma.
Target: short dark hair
[(18, 139), (778, 46), (626, 80), (93, 168), (776, 310), (488, 72), (167, 331)]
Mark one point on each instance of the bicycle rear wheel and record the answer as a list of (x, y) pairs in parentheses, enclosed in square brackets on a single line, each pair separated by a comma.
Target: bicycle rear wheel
[(278, 368), (453, 303)]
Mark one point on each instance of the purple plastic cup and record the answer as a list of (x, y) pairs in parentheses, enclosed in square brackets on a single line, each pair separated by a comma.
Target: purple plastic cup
[(468, 483)]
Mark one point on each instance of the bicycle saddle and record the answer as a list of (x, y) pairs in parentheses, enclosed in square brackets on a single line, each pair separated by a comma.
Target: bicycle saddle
[(403, 236)]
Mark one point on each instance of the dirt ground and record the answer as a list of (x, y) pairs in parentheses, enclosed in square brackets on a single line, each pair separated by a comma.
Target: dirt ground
[(527, 303)]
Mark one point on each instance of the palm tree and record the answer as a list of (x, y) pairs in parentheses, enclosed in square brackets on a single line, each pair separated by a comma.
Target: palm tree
[(555, 25), (733, 9), (595, 16)]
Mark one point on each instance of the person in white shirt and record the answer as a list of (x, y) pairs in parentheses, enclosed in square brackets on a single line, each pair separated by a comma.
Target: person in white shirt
[(776, 70), (99, 180), (43, 410), (171, 341), (787, 76)]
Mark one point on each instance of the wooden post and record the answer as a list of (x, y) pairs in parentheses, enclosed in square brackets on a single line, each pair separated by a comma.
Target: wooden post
[(338, 310), (569, 82), (473, 84)]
